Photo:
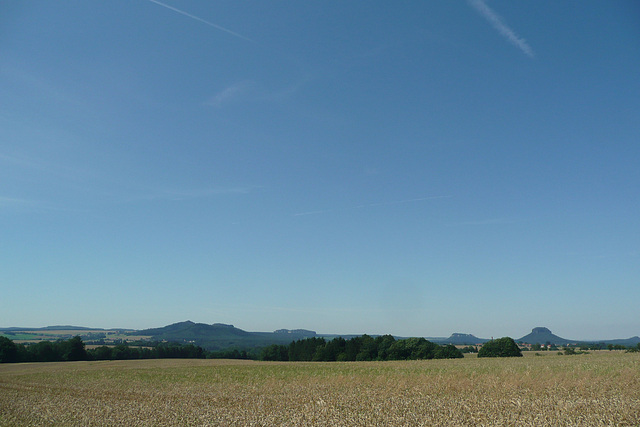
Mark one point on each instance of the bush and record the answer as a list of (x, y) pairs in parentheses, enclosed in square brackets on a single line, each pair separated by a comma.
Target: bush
[(501, 347), (8, 351)]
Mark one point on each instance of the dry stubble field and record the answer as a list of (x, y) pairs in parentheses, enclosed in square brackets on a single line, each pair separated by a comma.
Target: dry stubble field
[(586, 390)]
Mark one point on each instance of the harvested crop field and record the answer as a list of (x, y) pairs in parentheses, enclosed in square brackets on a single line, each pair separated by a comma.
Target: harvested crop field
[(594, 389)]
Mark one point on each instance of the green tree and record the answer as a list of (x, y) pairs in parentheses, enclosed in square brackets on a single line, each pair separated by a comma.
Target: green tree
[(101, 353), (448, 352), (368, 349), (73, 349), (124, 352), (44, 351), (501, 347), (352, 348), (8, 351), (275, 352), (330, 351), (412, 349), (383, 344), (304, 350), (470, 349)]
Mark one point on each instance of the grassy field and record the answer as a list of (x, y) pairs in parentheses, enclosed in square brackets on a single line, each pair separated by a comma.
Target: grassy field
[(584, 390)]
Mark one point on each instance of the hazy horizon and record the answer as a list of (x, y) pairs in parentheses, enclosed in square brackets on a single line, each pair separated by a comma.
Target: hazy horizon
[(323, 332), (416, 169)]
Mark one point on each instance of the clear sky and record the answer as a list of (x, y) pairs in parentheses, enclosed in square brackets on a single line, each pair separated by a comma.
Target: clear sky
[(416, 168)]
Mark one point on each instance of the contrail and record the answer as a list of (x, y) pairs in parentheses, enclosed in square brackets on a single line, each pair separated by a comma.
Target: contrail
[(501, 27), (371, 205), (397, 202), (211, 24)]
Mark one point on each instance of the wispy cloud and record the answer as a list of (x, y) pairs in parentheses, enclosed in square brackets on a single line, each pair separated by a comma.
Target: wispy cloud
[(491, 221), (169, 194), (251, 91), (211, 24), (20, 161), (35, 165), (230, 93), (399, 202), (13, 202), (499, 25), (372, 205), (19, 205)]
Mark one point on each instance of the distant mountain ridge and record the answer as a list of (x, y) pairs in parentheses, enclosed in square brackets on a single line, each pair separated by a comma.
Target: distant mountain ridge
[(541, 335), (190, 330), (220, 336), (295, 332), (62, 328), (464, 339)]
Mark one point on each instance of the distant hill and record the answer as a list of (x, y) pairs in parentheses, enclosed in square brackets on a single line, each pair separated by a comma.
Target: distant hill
[(542, 335), (219, 336), (628, 342), (458, 339), (62, 328), (295, 332), (464, 339), (66, 328), (192, 331)]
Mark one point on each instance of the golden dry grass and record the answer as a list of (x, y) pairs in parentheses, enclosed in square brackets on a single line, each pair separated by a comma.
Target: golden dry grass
[(584, 390)]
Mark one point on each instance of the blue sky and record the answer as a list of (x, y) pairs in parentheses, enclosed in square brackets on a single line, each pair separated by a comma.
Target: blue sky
[(414, 168)]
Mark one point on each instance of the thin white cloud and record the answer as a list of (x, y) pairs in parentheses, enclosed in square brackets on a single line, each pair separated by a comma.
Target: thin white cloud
[(190, 194), (18, 161), (200, 193), (251, 91), (398, 202), (372, 205), (288, 91), (211, 24), (498, 24), (490, 221), (315, 212), (229, 94), (12, 204), (493, 221)]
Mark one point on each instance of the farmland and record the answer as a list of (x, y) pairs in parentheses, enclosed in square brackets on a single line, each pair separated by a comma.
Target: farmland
[(43, 334), (600, 388)]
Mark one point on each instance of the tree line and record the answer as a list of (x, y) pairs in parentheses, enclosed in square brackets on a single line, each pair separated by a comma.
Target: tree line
[(363, 348), (73, 349)]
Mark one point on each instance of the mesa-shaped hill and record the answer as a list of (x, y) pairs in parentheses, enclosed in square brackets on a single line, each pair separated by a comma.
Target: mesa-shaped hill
[(192, 331), (542, 335), (221, 336), (461, 339)]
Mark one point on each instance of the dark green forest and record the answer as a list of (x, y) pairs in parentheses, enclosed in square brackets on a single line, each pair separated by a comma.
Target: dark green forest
[(74, 349), (311, 349), (364, 348)]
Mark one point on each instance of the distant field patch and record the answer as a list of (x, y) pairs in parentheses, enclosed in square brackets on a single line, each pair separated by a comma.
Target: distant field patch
[(109, 336), (19, 336), (594, 389)]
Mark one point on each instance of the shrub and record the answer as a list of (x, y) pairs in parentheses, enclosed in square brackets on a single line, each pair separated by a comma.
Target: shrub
[(8, 351), (501, 347)]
